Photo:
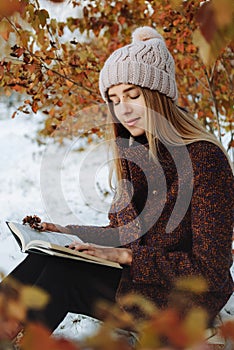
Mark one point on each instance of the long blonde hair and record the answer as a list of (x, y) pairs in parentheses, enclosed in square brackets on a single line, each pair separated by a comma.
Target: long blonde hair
[(165, 122)]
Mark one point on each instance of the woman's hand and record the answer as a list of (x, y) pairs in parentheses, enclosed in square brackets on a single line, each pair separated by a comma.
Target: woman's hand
[(35, 223), (119, 255)]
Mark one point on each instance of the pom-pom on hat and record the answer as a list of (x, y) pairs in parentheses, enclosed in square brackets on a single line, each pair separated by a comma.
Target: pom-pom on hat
[(145, 62)]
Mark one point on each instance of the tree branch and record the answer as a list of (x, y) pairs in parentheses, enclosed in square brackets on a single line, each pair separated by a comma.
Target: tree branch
[(43, 64), (215, 105)]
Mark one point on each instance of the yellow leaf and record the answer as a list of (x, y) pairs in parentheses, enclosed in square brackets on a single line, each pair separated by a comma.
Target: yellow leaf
[(31, 10), (175, 3), (195, 325), (5, 29), (53, 25), (204, 48), (224, 11), (43, 15), (33, 297), (192, 284), (41, 36), (143, 304)]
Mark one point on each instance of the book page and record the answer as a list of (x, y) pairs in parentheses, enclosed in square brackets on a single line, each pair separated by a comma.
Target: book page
[(31, 235)]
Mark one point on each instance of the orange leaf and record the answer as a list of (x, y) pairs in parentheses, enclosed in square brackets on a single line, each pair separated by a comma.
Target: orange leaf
[(64, 344), (69, 83), (35, 107), (38, 337), (5, 29), (7, 8), (30, 67), (121, 20), (17, 88), (52, 112), (50, 73), (206, 20), (1, 72), (227, 329), (13, 115)]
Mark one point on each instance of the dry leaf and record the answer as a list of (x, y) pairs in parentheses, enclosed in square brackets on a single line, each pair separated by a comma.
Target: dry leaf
[(192, 284), (33, 297)]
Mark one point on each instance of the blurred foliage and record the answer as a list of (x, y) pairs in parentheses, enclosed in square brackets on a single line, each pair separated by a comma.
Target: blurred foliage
[(59, 76), (177, 327)]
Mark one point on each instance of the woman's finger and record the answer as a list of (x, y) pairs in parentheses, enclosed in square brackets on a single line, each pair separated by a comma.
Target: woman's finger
[(80, 246)]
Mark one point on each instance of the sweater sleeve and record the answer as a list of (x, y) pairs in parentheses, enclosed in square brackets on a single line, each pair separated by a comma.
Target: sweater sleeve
[(212, 207), (102, 235)]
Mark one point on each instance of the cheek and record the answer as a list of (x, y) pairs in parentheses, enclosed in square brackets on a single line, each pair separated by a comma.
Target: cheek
[(118, 115)]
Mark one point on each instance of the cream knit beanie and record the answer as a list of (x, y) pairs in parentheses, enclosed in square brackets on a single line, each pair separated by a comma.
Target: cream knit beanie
[(145, 62)]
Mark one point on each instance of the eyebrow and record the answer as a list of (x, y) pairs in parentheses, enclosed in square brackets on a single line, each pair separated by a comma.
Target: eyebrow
[(125, 90)]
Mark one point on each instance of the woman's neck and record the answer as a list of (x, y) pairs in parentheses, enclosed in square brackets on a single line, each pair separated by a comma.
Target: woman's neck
[(142, 139)]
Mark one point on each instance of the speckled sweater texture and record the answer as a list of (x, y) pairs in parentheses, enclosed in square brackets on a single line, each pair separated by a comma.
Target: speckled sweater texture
[(176, 215)]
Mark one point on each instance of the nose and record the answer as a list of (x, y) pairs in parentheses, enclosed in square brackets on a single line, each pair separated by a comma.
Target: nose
[(125, 107)]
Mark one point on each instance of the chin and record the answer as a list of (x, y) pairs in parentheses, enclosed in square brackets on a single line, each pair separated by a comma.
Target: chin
[(137, 132)]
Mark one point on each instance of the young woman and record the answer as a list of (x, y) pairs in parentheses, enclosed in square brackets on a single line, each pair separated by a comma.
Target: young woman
[(172, 215)]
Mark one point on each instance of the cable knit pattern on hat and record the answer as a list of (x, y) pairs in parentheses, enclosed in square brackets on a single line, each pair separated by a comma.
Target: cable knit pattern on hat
[(145, 62)]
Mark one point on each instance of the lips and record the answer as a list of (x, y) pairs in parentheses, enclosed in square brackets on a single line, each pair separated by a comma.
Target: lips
[(131, 122)]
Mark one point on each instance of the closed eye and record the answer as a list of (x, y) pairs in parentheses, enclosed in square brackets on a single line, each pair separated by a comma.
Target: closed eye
[(117, 102), (134, 97)]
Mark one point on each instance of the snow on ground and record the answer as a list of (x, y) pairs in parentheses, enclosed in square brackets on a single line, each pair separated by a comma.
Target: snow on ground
[(63, 184)]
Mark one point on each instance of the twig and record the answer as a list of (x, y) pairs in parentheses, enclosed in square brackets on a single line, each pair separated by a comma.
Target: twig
[(199, 81), (215, 105)]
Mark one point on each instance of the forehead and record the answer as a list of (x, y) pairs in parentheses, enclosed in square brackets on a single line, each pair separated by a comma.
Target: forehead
[(120, 88)]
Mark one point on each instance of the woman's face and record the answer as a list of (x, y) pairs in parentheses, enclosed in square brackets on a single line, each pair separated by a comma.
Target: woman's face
[(129, 107)]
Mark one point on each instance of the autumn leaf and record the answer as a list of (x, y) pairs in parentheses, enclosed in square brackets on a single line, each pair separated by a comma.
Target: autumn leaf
[(38, 337), (199, 35), (224, 12), (215, 21), (8, 8), (33, 297), (192, 284), (43, 15), (5, 29), (1, 76), (207, 21), (227, 329), (59, 103), (50, 73), (175, 3), (195, 324)]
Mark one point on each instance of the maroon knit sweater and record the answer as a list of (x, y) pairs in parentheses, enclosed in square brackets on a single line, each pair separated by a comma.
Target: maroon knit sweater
[(176, 215)]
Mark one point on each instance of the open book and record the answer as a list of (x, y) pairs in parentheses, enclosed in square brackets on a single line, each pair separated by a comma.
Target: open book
[(52, 243)]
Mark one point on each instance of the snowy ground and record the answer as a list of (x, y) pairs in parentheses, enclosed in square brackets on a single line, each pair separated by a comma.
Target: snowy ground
[(63, 184)]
